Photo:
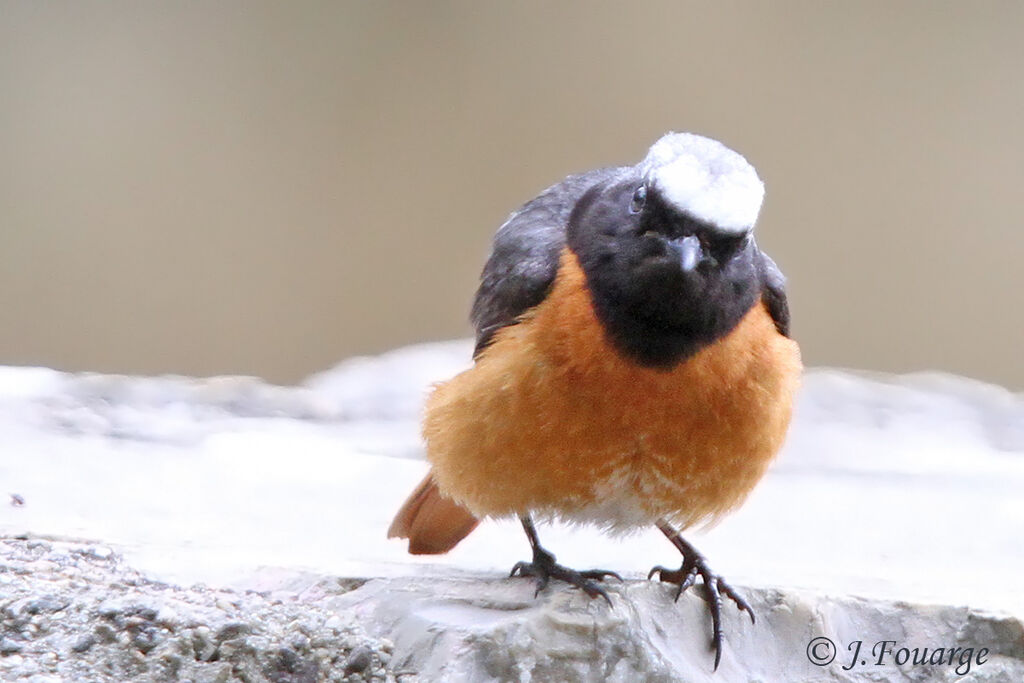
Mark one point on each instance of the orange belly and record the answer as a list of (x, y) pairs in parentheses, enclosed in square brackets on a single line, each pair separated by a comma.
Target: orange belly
[(552, 421)]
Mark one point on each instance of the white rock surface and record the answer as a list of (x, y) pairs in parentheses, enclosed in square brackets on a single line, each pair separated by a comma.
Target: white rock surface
[(894, 513)]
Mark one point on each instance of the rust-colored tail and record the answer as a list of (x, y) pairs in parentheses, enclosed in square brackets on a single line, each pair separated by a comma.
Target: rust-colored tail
[(432, 523)]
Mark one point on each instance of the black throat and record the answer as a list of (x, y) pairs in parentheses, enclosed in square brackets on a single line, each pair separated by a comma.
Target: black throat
[(641, 331)]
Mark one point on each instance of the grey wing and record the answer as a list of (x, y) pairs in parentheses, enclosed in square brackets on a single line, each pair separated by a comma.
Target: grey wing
[(774, 292), (524, 261)]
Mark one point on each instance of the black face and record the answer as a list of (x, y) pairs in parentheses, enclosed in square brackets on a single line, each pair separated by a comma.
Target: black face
[(664, 285)]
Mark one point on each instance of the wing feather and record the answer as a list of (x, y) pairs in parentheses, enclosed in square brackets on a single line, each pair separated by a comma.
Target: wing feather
[(524, 260), (774, 283)]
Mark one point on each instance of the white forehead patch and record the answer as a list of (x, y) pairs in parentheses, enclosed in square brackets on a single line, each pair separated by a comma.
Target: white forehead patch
[(706, 180)]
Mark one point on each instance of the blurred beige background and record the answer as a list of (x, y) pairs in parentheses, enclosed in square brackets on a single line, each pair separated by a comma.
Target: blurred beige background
[(266, 188)]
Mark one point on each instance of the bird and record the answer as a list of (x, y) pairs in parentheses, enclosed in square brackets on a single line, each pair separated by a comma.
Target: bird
[(633, 367)]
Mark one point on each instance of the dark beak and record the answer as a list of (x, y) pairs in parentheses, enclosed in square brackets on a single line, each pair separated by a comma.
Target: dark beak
[(688, 249)]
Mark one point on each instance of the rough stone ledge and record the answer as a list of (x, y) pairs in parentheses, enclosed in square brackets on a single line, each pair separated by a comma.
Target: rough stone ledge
[(475, 630), (73, 611)]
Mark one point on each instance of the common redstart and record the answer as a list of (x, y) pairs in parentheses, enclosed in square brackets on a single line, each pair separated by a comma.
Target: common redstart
[(633, 367)]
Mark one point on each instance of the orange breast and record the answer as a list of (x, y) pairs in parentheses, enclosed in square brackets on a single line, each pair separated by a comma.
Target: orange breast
[(553, 421)]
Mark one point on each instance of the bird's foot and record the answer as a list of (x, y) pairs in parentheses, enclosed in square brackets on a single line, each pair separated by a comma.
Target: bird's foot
[(695, 565), (544, 568)]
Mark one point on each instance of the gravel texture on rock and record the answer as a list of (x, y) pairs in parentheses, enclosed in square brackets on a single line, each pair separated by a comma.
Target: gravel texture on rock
[(74, 612)]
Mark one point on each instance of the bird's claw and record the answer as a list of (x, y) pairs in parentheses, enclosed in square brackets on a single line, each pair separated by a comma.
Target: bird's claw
[(544, 568), (695, 565)]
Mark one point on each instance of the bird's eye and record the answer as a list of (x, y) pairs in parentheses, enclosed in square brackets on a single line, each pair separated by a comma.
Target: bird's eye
[(636, 204)]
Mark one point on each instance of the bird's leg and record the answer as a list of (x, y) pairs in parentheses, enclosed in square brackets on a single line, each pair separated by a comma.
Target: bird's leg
[(544, 568), (695, 565)]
